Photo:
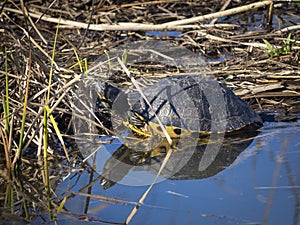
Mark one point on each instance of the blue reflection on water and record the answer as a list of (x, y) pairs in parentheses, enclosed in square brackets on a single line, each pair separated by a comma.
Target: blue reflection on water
[(164, 33), (261, 185), (242, 193)]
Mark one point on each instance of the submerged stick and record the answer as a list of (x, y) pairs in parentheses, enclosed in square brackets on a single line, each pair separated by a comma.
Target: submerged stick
[(141, 200)]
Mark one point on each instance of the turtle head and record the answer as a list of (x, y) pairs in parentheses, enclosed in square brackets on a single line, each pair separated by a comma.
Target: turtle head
[(108, 91)]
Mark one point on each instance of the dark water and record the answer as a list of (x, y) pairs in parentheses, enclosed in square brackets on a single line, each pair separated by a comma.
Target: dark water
[(261, 186)]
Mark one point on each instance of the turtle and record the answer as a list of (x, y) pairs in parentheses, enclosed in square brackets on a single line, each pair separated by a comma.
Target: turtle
[(184, 104)]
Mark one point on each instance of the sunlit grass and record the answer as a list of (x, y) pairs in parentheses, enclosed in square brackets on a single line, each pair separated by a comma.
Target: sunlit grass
[(46, 115), (285, 49), (25, 101)]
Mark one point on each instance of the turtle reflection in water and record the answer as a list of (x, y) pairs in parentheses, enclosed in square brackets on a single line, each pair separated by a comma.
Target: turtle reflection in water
[(187, 106), (125, 159)]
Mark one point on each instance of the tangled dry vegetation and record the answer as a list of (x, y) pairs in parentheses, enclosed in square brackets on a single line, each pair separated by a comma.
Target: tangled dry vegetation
[(46, 45), (40, 67)]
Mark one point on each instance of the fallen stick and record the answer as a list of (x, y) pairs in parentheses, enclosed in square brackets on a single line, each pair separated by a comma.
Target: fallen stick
[(218, 14), (174, 25)]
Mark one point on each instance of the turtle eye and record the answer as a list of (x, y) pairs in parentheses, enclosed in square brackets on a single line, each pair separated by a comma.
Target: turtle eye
[(177, 131)]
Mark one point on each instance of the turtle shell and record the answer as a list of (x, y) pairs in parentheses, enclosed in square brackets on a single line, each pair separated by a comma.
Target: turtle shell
[(191, 103)]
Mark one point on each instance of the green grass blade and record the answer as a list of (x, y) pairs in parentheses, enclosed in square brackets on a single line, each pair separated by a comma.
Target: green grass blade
[(6, 101), (57, 131), (78, 61), (18, 155), (268, 44), (46, 115), (46, 168), (52, 60)]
